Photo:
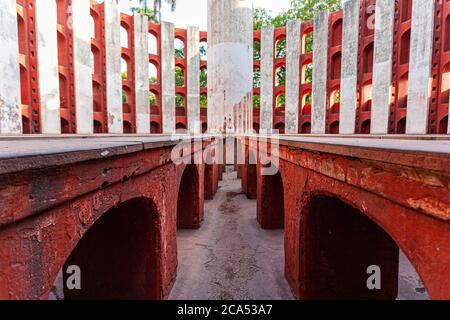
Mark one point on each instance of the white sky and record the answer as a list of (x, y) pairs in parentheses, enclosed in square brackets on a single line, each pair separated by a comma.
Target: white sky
[(193, 12)]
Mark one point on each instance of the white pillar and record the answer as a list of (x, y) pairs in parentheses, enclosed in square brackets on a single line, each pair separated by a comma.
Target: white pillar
[(382, 65), (83, 67), (349, 71), (10, 111), (419, 83), (267, 78), (193, 79), (230, 62), (320, 56), (293, 47), (168, 76), (47, 52), (113, 68), (141, 74)]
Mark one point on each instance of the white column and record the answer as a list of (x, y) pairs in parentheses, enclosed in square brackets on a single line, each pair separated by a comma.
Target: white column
[(10, 111), (193, 79), (230, 62), (419, 83), (141, 74), (83, 67), (382, 65), (168, 76), (293, 47), (47, 52), (113, 68), (320, 56), (349, 71), (267, 78)]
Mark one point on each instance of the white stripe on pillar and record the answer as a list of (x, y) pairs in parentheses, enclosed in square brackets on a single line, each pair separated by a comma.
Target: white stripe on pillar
[(10, 113), (83, 67), (382, 65), (141, 72), (349, 71), (47, 51), (419, 83), (292, 75), (193, 79), (320, 56), (168, 76), (113, 68), (267, 78)]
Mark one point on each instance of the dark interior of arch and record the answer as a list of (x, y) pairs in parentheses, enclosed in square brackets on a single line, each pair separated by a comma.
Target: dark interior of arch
[(118, 255), (341, 243)]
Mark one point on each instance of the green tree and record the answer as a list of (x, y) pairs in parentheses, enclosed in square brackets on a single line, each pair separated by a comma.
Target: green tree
[(203, 78)]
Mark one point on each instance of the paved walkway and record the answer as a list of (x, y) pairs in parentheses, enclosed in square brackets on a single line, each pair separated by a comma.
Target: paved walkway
[(230, 256)]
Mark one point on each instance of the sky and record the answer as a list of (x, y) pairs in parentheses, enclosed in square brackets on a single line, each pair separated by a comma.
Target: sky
[(193, 12)]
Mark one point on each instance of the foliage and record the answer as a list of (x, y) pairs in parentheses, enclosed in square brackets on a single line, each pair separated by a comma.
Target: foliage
[(153, 80), (203, 78), (152, 99), (155, 13), (256, 78), (179, 101), (281, 101)]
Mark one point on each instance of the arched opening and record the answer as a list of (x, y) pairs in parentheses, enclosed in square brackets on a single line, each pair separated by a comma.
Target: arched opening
[(306, 103), (334, 127), (204, 127), (443, 125), (188, 205), (406, 10), (123, 37), (155, 127), (335, 100), (98, 128), (307, 72), (445, 84), (447, 34), (308, 41), (180, 127), (365, 127), (341, 248), (153, 98), (91, 27), (256, 101), (96, 62), (118, 255), (204, 101), (152, 73), (336, 66), (179, 49), (124, 69), (367, 96), (25, 125), (256, 78), (152, 44), (180, 80), (256, 127), (203, 77), (401, 126), (280, 127), (270, 207), (368, 58), (405, 45), (280, 48), (306, 128), (127, 127), (280, 101), (179, 101), (203, 51), (65, 127), (251, 176), (256, 50), (280, 76), (403, 92), (337, 33)]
